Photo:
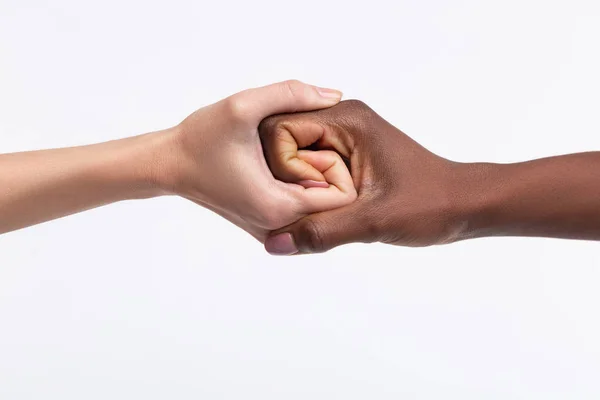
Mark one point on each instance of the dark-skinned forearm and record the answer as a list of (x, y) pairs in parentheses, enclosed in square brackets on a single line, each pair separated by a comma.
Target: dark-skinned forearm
[(550, 197)]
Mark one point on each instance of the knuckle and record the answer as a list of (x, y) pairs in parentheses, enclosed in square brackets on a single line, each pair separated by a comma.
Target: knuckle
[(237, 107), (277, 139), (356, 105), (282, 134), (269, 127), (357, 112), (296, 91), (293, 86), (360, 119), (274, 140)]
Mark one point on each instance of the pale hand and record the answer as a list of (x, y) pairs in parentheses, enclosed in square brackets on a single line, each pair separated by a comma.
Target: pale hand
[(214, 158), (218, 161)]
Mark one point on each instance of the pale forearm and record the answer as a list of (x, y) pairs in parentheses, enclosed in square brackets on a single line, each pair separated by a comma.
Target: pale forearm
[(42, 185), (213, 157)]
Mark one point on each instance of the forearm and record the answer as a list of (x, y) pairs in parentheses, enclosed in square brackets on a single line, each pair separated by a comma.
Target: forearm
[(550, 197), (42, 185)]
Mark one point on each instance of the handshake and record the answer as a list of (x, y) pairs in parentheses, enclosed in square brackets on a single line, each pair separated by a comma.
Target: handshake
[(303, 173)]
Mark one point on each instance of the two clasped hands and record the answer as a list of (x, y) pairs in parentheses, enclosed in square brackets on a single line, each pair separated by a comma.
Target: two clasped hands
[(304, 172)]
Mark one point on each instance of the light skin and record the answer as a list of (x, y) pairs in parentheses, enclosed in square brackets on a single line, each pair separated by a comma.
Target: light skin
[(411, 197), (214, 158), (289, 186)]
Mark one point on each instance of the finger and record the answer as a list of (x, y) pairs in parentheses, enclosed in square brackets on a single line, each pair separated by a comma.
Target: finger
[(282, 153), (283, 97), (340, 190), (323, 231), (281, 150)]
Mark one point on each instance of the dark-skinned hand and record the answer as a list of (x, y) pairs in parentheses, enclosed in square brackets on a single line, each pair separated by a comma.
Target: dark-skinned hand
[(406, 195), (409, 196)]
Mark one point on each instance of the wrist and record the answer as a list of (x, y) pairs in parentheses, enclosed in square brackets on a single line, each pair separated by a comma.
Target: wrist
[(479, 188), (154, 159)]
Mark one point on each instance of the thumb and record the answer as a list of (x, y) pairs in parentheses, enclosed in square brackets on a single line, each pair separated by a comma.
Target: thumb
[(285, 97), (321, 232)]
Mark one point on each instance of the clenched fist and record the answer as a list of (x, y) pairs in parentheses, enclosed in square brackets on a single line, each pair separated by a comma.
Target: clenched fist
[(216, 160), (412, 197), (406, 194)]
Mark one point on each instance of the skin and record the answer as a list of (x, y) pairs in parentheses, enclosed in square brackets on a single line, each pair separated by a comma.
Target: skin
[(409, 196), (214, 158)]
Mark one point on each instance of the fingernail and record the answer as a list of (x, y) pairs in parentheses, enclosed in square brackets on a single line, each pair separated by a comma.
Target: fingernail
[(281, 245), (308, 183), (331, 94)]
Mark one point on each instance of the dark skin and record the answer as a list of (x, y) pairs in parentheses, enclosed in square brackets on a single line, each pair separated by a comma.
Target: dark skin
[(409, 196)]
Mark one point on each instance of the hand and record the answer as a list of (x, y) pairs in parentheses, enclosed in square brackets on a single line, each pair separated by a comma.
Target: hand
[(218, 161), (412, 197), (406, 194)]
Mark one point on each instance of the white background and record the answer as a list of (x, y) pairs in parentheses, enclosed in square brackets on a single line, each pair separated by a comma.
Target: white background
[(161, 299)]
